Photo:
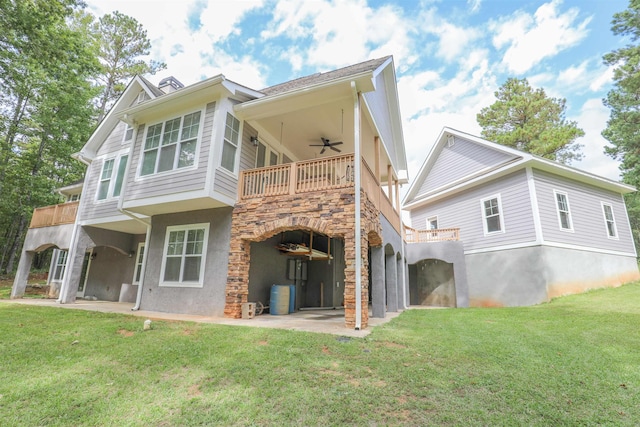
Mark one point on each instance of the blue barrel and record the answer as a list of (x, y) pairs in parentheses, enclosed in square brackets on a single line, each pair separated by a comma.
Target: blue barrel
[(292, 298), (279, 303)]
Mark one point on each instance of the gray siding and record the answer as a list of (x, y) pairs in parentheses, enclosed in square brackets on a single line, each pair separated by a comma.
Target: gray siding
[(463, 159), (379, 105), (227, 184), (463, 210), (89, 207), (586, 214), (177, 181)]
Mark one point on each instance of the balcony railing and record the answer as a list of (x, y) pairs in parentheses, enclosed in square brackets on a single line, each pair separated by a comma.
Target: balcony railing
[(64, 213), (411, 235), (297, 177), (315, 175)]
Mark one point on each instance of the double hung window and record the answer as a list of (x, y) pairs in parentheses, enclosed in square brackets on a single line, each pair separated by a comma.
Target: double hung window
[(492, 213), (230, 144), (564, 213), (171, 145), (60, 265), (111, 177), (184, 255), (609, 220)]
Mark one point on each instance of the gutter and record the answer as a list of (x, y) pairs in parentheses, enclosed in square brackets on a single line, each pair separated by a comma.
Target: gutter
[(358, 232), (147, 224)]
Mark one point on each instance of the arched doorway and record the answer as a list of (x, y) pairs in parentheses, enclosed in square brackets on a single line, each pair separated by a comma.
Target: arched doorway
[(432, 283)]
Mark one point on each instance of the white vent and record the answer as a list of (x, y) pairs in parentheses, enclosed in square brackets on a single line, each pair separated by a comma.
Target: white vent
[(450, 140)]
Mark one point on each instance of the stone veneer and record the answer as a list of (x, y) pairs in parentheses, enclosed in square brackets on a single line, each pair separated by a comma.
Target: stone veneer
[(330, 212)]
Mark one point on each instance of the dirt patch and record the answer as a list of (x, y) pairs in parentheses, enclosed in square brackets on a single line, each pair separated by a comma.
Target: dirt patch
[(125, 333), (326, 350), (263, 342), (194, 390)]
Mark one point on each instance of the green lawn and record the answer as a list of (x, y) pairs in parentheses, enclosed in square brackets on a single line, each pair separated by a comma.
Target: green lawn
[(574, 361)]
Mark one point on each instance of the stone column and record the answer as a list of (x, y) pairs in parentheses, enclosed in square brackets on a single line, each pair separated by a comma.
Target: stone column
[(22, 275), (73, 271), (377, 283)]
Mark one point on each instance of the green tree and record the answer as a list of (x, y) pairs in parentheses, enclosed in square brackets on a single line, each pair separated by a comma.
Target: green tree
[(526, 119), (121, 42), (45, 110), (623, 126)]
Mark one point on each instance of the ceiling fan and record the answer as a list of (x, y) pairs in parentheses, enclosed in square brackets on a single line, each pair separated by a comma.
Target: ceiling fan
[(326, 144)]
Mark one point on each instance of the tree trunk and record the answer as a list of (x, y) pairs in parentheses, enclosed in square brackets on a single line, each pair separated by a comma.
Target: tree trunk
[(19, 236)]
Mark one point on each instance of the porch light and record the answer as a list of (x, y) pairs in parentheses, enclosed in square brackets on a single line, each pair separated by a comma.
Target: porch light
[(254, 140)]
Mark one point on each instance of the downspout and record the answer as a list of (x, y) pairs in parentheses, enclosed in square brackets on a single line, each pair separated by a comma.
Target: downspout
[(147, 224), (358, 232)]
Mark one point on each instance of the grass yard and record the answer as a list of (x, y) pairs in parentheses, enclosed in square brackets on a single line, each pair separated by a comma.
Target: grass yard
[(574, 361)]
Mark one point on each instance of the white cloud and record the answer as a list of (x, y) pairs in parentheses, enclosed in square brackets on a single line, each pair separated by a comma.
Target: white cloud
[(220, 18), (530, 39), (593, 120)]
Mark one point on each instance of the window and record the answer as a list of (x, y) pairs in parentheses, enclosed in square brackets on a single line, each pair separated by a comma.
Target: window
[(184, 253), (491, 210), (171, 145), (73, 198), (138, 270), (564, 215), (230, 144), (109, 185), (60, 265), (128, 134), (609, 220), (432, 223)]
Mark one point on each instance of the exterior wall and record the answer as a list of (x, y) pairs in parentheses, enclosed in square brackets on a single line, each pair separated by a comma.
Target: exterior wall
[(108, 271), (176, 181), (528, 276), (461, 160), (589, 229), (90, 208), (379, 106), (210, 298), (38, 239), (510, 278), (571, 271), (464, 211), (450, 252), (329, 212)]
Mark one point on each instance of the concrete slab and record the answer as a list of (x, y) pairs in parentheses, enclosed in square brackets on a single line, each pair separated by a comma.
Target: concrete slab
[(320, 321)]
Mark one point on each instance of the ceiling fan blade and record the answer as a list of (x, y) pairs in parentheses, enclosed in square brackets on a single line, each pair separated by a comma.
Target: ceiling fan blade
[(337, 143), (317, 145), (335, 149), (322, 151)]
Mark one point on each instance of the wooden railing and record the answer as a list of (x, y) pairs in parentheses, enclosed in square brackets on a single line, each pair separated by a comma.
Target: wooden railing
[(297, 177), (315, 175), (411, 235), (64, 213)]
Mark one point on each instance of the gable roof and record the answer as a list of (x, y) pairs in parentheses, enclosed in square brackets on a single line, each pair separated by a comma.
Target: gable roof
[(318, 78), (111, 119), (513, 161)]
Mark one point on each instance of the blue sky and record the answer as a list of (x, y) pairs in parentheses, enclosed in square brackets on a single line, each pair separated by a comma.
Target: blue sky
[(450, 55)]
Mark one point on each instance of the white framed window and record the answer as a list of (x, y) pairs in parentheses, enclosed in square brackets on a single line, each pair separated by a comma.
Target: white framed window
[(185, 250), (493, 221), (265, 156), (171, 144), (111, 177), (432, 223), (73, 197), (563, 209), (609, 220), (230, 143), (60, 265), (128, 134), (137, 272)]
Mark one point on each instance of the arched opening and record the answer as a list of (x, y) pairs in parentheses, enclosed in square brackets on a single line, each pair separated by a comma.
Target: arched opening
[(432, 283)]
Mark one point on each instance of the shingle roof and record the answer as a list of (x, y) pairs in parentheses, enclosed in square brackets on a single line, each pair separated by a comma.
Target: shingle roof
[(324, 77)]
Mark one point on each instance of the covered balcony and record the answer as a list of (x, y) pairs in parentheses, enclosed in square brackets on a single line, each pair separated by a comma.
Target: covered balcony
[(316, 175), (411, 235), (48, 216)]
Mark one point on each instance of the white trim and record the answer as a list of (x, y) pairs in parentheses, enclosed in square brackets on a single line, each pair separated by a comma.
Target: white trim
[(238, 144), (484, 216), (127, 126), (533, 199), (117, 158), (203, 259), (549, 244), (570, 216), (613, 219)]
